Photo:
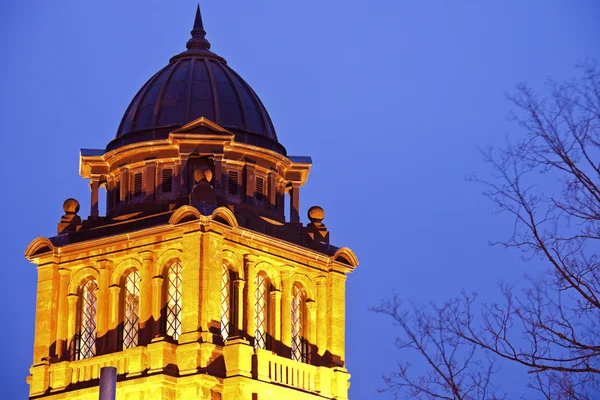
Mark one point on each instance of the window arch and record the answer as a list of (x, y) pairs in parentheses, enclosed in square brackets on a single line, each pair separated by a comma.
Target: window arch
[(131, 310), (261, 310), (228, 308), (85, 339), (173, 300), (299, 342)]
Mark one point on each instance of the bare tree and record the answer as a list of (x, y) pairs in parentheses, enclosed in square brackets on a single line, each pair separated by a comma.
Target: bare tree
[(549, 182), (454, 369)]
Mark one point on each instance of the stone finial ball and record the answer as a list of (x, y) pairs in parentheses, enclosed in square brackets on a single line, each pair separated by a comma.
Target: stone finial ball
[(71, 206), (316, 213)]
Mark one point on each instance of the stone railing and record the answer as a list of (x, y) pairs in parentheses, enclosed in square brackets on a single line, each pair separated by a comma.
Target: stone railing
[(273, 368)]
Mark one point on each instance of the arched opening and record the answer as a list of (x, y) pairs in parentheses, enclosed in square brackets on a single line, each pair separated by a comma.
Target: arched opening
[(261, 310), (228, 303), (173, 300), (131, 310), (102, 199), (299, 328), (85, 338)]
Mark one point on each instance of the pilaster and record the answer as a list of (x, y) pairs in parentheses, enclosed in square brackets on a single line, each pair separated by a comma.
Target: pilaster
[(63, 315), (211, 264), (48, 287), (190, 288)]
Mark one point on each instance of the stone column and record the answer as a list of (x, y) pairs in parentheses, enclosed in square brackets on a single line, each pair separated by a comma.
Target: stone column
[(238, 288), (295, 202), (286, 312), (94, 184), (150, 181), (218, 178), (146, 320), (249, 179), (311, 318), (250, 262), (72, 300), (272, 191), (157, 305), (102, 312), (124, 184), (181, 176), (114, 317), (63, 315), (275, 319), (321, 315)]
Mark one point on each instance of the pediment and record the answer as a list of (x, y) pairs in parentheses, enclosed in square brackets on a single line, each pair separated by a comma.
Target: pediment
[(202, 126)]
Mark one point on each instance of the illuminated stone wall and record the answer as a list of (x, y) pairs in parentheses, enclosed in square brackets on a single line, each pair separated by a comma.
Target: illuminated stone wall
[(200, 364)]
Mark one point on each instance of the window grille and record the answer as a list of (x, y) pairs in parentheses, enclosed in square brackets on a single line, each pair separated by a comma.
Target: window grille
[(261, 311), (299, 343), (167, 180), (131, 310), (260, 189), (225, 302), (137, 184), (85, 339), (233, 182), (174, 301), (117, 192)]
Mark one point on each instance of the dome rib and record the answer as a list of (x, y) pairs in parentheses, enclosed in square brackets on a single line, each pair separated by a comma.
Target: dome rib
[(161, 94), (188, 110), (236, 91)]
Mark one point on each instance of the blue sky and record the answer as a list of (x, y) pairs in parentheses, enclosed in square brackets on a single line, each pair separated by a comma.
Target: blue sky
[(391, 98)]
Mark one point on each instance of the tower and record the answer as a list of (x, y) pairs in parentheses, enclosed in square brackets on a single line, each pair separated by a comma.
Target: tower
[(194, 285)]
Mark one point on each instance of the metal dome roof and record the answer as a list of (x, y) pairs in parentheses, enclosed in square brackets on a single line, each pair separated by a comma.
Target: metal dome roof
[(196, 83)]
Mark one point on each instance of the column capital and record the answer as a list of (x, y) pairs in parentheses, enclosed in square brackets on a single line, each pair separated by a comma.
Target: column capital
[(114, 289), (64, 272), (72, 298), (147, 255), (104, 264)]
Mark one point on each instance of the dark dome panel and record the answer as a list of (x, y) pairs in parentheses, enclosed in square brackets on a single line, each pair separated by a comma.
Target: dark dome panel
[(196, 83), (187, 89)]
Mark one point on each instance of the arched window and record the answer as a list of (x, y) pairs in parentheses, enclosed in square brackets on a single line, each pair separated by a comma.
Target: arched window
[(226, 302), (173, 320), (299, 342), (85, 339), (261, 311), (131, 310)]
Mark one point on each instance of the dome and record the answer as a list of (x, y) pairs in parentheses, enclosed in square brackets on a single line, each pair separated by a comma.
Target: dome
[(196, 83)]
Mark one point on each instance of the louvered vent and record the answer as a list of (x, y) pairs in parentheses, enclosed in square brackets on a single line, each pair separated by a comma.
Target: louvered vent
[(233, 183), (137, 184), (260, 189), (167, 180)]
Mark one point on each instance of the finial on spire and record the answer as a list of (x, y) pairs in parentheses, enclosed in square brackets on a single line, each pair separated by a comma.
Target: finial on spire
[(198, 40)]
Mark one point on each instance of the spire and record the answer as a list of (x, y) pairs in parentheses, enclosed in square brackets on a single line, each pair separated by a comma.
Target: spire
[(198, 26), (198, 40)]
